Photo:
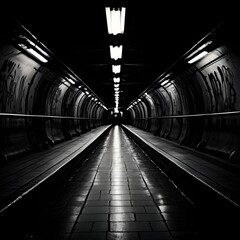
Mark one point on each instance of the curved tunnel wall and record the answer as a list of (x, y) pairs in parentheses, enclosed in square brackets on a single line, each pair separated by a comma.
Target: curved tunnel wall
[(180, 106), (32, 97), (196, 105)]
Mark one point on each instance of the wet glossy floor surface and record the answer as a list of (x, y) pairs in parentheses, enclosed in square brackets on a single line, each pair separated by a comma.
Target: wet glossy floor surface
[(117, 194)]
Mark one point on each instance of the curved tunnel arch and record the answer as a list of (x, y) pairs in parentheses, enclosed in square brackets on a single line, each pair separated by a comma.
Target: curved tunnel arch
[(189, 103), (53, 109), (175, 110)]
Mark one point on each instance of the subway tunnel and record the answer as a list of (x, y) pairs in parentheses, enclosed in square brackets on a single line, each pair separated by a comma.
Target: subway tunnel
[(142, 145)]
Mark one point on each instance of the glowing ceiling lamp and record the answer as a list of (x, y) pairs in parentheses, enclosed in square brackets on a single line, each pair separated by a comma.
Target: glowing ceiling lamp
[(115, 20), (33, 52), (199, 53), (37, 55), (116, 68), (199, 56), (71, 81), (116, 80), (116, 52)]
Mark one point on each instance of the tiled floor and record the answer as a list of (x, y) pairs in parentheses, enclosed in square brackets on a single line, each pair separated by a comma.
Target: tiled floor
[(19, 177), (219, 174), (118, 194)]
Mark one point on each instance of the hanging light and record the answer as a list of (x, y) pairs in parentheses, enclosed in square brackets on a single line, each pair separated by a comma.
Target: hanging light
[(116, 80), (71, 81), (198, 54), (33, 52), (116, 68), (115, 17), (116, 52), (37, 55), (115, 20)]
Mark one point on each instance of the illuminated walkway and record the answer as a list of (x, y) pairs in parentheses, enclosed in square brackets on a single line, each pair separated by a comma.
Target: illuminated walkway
[(118, 194)]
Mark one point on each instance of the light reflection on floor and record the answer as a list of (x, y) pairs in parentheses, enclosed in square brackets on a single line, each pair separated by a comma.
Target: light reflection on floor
[(128, 197)]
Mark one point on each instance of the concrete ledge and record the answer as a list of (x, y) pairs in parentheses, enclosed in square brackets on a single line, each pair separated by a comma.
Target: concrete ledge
[(205, 192), (33, 186)]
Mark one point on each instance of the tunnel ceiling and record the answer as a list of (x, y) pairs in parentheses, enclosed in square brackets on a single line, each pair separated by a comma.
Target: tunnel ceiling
[(156, 35)]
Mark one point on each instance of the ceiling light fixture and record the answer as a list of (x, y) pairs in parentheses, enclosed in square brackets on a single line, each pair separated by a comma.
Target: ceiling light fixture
[(116, 52), (116, 68), (199, 56), (116, 80), (115, 20), (115, 17), (33, 52)]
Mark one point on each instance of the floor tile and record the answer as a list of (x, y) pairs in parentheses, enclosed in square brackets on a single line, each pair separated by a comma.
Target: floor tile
[(122, 236), (129, 226), (125, 197), (122, 217)]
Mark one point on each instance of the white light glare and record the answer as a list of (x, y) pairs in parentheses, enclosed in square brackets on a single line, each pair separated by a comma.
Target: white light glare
[(199, 49), (116, 80), (70, 80), (116, 68), (116, 52), (202, 54), (33, 52), (115, 20), (116, 110), (37, 55)]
